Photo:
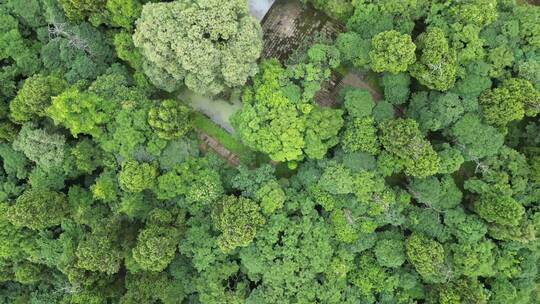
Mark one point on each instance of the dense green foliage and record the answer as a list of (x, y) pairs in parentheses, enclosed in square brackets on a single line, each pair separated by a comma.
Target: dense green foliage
[(210, 45), (414, 180), (278, 117)]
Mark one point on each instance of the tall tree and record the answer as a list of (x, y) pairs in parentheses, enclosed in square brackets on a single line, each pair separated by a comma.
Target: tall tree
[(170, 119), (512, 100), (40, 146), (392, 51), (237, 218), (403, 139), (436, 67), (38, 209), (35, 97), (207, 45)]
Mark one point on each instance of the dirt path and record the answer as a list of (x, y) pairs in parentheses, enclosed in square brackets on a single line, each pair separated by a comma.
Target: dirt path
[(328, 96), (208, 142), (357, 80)]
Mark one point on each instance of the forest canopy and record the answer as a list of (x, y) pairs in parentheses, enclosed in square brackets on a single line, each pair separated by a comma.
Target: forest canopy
[(158, 151)]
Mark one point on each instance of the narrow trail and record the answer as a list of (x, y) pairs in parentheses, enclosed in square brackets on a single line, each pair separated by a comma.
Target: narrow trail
[(328, 96), (209, 142), (285, 25), (357, 80)]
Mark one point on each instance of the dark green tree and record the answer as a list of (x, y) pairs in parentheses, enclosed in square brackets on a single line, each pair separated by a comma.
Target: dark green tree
[(396, 87), (475, 139)]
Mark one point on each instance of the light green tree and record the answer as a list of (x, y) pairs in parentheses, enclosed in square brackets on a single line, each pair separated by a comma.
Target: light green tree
[(392, 51), (35, 96), (512, 100), (276, 119), (237, 218), (40, 146), (156, 247), (207, 45), (99, 252), (360, 135), (38, 209), (403, 139), (136, 177), (170, 119), (427, 257), (436, 67), (81, 112)]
